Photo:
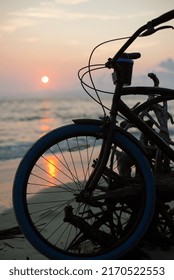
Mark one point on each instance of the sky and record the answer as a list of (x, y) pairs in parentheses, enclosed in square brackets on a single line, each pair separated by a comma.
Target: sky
[(54, 38)]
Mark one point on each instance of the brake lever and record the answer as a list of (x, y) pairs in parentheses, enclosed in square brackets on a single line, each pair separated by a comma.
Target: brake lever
[(151, 30)]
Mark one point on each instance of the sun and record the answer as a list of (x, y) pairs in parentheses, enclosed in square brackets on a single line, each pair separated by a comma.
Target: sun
[(45, 79)]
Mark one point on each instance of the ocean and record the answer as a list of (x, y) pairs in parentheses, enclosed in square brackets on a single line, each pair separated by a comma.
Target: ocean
[(23, 121)]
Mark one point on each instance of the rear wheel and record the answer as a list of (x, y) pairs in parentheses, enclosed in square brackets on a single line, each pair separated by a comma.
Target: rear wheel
[(55, 215)]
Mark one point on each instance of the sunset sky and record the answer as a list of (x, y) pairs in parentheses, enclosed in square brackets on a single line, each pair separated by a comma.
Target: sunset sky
[(54, 38)]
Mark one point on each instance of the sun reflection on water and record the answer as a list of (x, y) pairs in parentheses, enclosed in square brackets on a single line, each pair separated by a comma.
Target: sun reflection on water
[(51, 166)]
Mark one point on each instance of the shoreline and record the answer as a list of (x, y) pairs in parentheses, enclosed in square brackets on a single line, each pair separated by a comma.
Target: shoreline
[(7, 173)]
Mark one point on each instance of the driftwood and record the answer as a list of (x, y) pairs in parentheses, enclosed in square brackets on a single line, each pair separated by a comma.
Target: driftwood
[(157, 117), (162, 225), (162, 163), (10, 233), (165, 188)]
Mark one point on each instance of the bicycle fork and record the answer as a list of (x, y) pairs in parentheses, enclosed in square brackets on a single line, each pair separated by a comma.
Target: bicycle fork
[(107, 134)]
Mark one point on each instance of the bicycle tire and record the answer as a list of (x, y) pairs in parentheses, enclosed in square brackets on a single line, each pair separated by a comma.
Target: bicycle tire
[(27, 208)]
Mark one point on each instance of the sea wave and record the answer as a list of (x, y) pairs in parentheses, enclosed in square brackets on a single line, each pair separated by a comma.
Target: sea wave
[(14, 151)]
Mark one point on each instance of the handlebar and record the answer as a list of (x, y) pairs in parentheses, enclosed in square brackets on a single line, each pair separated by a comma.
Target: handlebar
[(147, 29), (163, 18)]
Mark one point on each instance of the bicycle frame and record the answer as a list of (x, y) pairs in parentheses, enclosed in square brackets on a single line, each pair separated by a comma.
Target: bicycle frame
[(118, 106)]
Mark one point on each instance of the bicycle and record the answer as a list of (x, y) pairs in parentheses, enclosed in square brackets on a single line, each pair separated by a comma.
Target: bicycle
[(72, 197)]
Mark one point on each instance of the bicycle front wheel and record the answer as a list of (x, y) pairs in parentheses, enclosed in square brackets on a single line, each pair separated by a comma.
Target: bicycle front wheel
[(58, 219)]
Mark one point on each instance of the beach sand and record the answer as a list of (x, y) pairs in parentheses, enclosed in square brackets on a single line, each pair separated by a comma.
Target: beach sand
[(14, 246)]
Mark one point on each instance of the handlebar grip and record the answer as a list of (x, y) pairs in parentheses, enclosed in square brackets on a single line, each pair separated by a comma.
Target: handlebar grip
[(163, 18), (134, 55)]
